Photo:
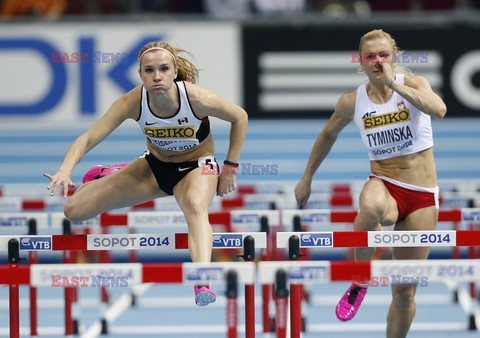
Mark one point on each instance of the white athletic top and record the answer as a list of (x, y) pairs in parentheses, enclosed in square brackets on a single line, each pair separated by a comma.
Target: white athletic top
[(180, 132), (393, 129)]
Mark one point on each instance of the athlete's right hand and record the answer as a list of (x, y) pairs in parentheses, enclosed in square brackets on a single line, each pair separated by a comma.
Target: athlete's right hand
[(303, 191), (57, 180)]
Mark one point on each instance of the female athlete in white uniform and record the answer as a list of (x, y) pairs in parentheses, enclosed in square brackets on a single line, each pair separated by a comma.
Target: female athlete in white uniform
[(173, 114), (392, 112)]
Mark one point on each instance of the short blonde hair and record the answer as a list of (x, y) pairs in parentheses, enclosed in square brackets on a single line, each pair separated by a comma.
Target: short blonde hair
[(186, 70)]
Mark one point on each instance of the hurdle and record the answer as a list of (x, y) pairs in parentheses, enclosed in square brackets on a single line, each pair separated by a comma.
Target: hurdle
[(235, 220), (162, 242), (329, 217), (311, 272), (270, 222), (378, 239), (326, 217), (294, 241), (187, 273)]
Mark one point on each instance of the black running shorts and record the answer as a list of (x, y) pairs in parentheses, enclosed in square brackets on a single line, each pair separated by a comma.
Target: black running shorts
[(168, 174)]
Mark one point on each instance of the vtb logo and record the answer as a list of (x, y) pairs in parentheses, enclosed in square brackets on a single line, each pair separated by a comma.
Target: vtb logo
[(227, 241), (35, 243), (313, 240)]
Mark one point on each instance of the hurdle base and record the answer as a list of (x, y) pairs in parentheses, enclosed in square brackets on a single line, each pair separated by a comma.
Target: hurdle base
[(104, 329), (76, 325), (472, 325)]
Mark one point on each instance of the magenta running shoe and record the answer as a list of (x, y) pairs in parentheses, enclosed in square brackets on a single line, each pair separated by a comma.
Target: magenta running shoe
[(348, 306), (204, 295), (100, 171)]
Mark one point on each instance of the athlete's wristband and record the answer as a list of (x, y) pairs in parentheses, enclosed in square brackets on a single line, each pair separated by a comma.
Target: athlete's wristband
[(232, 164)]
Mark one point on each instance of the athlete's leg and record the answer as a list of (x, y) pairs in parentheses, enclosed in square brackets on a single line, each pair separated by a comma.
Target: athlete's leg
[(377, 208), (402, 309), (194, 193), (129, 186)]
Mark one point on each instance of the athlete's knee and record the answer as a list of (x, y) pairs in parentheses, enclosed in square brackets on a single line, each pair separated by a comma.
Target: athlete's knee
[(195, 206), (403, 295), (73, 211), (372, 209)]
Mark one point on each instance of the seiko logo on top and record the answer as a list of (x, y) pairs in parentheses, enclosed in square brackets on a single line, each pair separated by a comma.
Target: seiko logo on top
[(386, 119), (170, 132)]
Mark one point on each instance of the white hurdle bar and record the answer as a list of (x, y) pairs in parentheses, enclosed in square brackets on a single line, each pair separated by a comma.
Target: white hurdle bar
[(390, 239), (297, 273), (108, 242), (159, 242), (50, 275)]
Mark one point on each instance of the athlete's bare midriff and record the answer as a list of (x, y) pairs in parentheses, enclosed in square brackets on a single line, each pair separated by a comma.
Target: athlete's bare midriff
[(416, 169), (205, 148)]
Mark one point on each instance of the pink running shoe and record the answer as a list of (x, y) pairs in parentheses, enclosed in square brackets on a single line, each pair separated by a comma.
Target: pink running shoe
[(204, 295), (100, 171), (348, 306)]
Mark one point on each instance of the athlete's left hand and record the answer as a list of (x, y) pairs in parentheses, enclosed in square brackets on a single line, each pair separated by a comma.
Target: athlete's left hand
[(227, 181)]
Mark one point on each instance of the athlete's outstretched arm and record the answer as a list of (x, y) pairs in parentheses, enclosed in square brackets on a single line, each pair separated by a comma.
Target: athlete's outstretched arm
[(206, 103), (120, 110), (343, 114)]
